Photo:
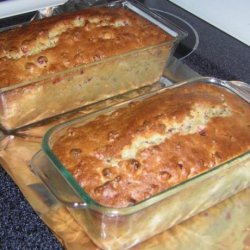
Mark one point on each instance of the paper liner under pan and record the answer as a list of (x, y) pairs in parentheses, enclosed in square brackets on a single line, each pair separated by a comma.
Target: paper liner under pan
[(122, 228)]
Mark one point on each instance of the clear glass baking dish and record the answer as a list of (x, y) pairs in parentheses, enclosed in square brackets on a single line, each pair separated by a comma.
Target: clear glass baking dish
[(28, 102), (121, 228)]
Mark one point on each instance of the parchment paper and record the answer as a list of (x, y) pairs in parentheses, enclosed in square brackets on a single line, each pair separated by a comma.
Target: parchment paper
[(225, 226)]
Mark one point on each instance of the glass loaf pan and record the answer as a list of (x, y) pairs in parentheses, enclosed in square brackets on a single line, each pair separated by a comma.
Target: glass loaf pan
[(29, 102), (122, 228)]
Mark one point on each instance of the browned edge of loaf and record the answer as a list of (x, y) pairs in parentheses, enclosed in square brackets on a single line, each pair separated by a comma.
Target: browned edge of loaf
[(60, 42), (203, 126)]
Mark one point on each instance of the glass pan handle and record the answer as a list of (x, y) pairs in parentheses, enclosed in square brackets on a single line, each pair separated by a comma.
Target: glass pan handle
[(52, 178), (240, 88)]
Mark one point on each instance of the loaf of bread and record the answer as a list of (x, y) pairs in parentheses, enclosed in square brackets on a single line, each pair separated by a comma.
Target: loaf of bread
[(68, 61), (139, 150), (60, 42)]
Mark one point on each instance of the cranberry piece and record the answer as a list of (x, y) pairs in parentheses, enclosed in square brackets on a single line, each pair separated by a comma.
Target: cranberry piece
[(42, 60)]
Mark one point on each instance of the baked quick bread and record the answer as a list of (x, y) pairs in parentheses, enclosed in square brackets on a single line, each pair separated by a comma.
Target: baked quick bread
[(57, 43), (137, 151), (69, 61)]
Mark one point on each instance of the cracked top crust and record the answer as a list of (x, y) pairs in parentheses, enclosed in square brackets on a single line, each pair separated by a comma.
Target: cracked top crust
[(138, 151), (61, 42)]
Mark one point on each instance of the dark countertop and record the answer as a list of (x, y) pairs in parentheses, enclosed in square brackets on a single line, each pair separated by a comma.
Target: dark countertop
[(217, 55)]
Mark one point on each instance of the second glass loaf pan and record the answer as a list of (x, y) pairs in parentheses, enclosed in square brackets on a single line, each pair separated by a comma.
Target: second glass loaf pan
[(31, 101), (121, 228)]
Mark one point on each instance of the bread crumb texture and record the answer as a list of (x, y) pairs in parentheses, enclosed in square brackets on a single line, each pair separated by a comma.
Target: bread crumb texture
[(135, 152), (60, 42)]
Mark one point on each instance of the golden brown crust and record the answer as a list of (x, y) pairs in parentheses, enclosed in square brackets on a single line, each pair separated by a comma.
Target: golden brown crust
[(58, 43), (138, 151)]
